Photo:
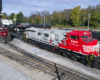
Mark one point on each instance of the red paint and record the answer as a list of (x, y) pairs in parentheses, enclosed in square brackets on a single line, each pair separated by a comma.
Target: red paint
[(80, 44), (3, 32), (50, 40)]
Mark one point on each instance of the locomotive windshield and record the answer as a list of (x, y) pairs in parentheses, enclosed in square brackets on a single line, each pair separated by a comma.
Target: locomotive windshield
[(84, 36), (90, 36)]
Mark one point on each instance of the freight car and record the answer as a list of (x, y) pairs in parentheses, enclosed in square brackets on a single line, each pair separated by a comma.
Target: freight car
[(77, 45)]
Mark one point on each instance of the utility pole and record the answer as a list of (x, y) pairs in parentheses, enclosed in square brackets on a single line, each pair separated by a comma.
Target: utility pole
[(0, 12), (44, 19), (88, 20)]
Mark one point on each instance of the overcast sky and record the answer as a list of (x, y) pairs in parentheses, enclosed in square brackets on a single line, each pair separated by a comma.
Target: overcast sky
[(30, 6)]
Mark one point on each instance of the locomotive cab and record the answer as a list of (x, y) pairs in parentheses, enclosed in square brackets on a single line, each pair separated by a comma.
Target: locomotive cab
[(81, 42)]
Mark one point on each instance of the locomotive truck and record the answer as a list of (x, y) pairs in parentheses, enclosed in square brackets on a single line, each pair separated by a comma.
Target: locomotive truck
[(75, 44)]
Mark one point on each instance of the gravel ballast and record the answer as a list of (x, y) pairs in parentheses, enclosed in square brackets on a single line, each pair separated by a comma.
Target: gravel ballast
[(7, 72), (57, 58)]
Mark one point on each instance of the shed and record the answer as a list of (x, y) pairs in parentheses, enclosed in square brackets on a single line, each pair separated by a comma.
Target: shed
[(6, 22)]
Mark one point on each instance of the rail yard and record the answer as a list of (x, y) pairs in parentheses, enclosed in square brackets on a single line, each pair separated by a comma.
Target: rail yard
[(41, 49), (52, 44), (30, 51), (28, 60), (47, 67)]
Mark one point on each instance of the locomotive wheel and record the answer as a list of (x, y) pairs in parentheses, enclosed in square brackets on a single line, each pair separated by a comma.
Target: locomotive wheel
[(29, 41), (58, 52), (95, 63), (35, 44), (83, 61), (73, 57), (64, 54), (32, 42)]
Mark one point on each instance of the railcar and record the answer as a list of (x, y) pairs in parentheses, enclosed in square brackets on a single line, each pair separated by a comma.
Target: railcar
[(76, 44), (4, 35)]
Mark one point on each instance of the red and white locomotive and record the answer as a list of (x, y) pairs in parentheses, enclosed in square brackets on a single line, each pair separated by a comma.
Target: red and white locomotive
[(76, 44), (4, 35)]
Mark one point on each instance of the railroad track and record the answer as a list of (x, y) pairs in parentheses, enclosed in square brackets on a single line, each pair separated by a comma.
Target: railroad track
[(34, 62), (20, 37)]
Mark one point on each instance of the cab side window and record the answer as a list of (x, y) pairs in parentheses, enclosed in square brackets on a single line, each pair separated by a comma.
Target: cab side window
[(73, 37)]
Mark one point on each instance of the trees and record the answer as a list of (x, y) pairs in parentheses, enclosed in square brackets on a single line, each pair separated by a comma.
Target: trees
[(4, 16), (71, 17), (45, 14), (67, 14), (38, 18), (20, 17), (31, 18), (75, 16), (95, 19), (54, 20), (12, 16), (83, 16)]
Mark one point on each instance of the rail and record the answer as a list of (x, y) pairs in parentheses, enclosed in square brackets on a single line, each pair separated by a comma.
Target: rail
[(56, 70)]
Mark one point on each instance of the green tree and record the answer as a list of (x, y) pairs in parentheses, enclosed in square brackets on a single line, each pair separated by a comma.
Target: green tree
[(20, 17), (31, 18), (98, 8), (53, 21), (75, 16), (89, 9), (66, 16), (83, 16), (38, 19), (95, 19), (4, 16), (12, 16)]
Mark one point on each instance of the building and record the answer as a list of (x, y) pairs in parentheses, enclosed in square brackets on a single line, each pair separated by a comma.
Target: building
[(6, 22)]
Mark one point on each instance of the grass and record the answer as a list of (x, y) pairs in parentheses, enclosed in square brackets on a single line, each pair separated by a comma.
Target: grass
[(81, 27)]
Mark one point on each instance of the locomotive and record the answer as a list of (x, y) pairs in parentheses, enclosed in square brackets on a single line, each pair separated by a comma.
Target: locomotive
[(75, 44), (4, 35)]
